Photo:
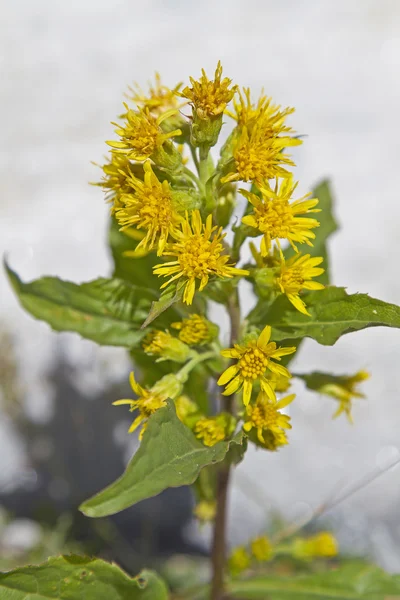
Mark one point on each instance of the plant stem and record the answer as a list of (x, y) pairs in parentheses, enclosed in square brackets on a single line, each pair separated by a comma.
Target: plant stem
[(218, 554)]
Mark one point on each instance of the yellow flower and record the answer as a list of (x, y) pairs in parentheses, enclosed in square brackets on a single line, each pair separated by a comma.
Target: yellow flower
[(264, 415), (141, 136), (150, 401), (159, 98), (273, 440), (209, 98), (254, 358), (258, 154), (186, 410), (150, 206), (246, 113), (199, 254), (196, 330), (115, 179), (295, 275), (322, 544), (167, 347), (261, 548), (239, 560), (344, 390), (212, 430), (276, 219), (205, 510)]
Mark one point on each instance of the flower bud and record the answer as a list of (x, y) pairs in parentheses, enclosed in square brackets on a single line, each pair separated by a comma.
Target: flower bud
[(167, 156), (168, 386), (166, 347)]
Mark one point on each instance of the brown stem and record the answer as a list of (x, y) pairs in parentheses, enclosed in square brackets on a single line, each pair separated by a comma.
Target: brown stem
[(218, 554)]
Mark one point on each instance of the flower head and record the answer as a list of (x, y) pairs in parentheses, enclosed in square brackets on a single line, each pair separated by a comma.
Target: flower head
[(159, 98), (196, 330), (296, 275), (187, 411), (259, 154), (114, 182), (239, 560), (277, 219), (149, 206), (209, 98), (149, 401), (165, 346), (261, 548), (264, 416), (205, 510), (199, 254), (141, 136), (247, 114), (254, 358), (344, 390), (212, 430), (322, 544)]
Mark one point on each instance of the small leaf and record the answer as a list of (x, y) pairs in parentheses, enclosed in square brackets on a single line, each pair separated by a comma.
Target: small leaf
[(169, 456), (167, 299), (70, 577), (333, 314), (327, 226), (317, 379), (107, 311), (353, 581)]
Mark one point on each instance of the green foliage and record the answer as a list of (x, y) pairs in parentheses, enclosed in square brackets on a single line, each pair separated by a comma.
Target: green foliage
[(169, 456), (333, 314), (167, 299), (107, 311), (316, 380), (327, 226), (77, 577), (353, 581)]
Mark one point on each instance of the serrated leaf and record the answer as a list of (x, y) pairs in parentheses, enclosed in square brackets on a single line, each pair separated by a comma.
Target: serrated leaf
[(107, 311), (327, 226), (169, 456), (333, 314), (349, 582), (73, 577)]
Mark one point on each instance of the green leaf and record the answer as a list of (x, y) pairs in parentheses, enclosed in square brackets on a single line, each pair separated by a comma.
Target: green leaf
[(333, 314), (169, 456), (167, 299), (107, 311), (317, 379), (354, 581), (135, 270), (328, 225), (78, 577)]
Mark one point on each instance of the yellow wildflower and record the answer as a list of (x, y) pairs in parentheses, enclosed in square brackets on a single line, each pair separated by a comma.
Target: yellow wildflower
[(273, 440), (205, 510), (239, 560), (159, 97), (277, 219), (295, 275), (212, 430), (115, 179), (150, 206), (261, 548), (264, 415), (165, 346), (196, 330), (254, 358), (323, 544), (150, 401), (141, 136), (344, 390), (246, 113), (199, 254), (209, 98), (258, 154)]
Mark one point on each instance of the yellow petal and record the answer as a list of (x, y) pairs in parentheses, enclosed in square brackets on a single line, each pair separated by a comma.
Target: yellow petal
[(228, 375), (232, 387), (247, 388), (298, 303), (285, 401), (264, 337), (266, 387)]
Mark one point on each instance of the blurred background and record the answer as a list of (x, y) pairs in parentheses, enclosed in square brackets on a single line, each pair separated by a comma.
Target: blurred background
[(64, 70)]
